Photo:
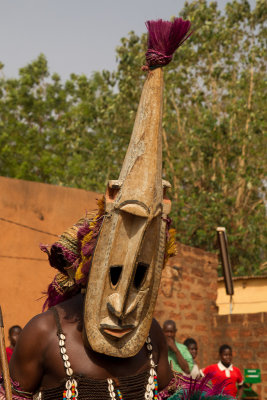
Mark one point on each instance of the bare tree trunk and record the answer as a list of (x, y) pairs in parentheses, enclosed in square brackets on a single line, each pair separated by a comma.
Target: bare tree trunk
[(241, 160)]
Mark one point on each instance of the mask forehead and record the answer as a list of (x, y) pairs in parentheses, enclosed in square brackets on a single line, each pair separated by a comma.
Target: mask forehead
[(128, 259)]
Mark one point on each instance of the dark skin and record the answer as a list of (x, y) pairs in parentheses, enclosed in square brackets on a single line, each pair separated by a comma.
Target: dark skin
[(169, 331), (36, 361), (13, 337), (193, 350), (226, 359)]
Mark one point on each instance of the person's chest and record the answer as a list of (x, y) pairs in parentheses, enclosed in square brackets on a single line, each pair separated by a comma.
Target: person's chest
[(229, 378), (230, 374), (85, 362)]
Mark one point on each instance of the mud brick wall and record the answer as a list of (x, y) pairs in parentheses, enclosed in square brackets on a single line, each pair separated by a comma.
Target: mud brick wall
[(25, 271), (188, 294), (247, 334)]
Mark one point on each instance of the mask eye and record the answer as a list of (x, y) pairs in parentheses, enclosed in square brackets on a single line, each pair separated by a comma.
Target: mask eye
[(140, 274), (115, 273)]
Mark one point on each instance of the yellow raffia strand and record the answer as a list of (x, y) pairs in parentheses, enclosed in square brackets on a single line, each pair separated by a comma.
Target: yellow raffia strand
[(171, 249), (79, 275), (87, 238), (101, 206)]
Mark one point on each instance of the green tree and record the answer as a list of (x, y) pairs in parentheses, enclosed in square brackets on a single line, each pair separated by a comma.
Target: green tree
[(214, 144), (76, 133), (51, 131), (214, 139)]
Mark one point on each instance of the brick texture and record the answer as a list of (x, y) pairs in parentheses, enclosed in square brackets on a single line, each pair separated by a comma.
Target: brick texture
[(188, 294), (245, 333)]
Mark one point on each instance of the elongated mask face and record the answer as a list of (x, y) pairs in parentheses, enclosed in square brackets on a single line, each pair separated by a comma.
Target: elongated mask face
[(128, 259)]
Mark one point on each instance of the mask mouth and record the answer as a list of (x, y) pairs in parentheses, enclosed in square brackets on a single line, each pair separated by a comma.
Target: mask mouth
[(116, 331)]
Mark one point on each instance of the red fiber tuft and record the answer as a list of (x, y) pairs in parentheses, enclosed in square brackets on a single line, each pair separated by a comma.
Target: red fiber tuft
[(164, 37)]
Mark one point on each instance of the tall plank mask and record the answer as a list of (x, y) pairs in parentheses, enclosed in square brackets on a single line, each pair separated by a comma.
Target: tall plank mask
[(128, 259)]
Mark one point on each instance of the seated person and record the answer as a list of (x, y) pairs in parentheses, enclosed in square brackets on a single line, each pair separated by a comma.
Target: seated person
[(178, 354), (191, 344)]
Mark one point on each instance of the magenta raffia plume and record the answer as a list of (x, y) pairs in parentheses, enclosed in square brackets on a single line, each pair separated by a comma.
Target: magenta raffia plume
[(164, 37)]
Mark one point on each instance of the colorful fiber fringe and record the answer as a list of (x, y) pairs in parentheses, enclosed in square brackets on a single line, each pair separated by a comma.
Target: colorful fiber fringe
[(170, 249), (87, 237), (164, 37), (66, 256), (186, 388), (198, 395)]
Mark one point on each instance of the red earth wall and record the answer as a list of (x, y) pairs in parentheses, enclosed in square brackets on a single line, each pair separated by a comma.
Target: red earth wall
[(24, 269)]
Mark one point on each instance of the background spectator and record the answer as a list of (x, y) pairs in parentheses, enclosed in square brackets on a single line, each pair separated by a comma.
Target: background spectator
[(13, 334), (178, 354), (191, 344), (225, 370)]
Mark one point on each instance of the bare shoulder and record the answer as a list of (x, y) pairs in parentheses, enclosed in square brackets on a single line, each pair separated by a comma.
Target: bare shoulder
[(41, 321), (27, 359), (38, 328)]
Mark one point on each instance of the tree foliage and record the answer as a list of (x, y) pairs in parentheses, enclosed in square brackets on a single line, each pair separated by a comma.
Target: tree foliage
[(76, 132)]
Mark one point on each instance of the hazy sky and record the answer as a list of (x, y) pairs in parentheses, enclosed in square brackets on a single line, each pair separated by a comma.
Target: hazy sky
[(75, 35)]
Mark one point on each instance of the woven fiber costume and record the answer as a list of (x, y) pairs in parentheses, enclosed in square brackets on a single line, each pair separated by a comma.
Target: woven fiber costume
[(117, 256)]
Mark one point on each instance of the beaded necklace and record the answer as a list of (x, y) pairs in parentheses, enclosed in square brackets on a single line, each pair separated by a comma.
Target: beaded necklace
[(71, 391), (152, 384), (71, 386)]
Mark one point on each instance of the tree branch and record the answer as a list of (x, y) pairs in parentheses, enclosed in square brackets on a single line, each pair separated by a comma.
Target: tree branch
[(242, 181)]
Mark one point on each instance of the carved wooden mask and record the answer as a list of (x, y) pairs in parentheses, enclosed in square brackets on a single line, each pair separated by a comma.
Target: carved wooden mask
[(127, 263)]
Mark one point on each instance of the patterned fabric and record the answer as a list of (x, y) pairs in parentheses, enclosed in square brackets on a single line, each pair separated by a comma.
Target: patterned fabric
[(174, 385), (14, 397), (15, 386), (186, 355)]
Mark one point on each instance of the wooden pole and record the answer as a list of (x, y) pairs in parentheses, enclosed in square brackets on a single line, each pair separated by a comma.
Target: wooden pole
[(3, 360)]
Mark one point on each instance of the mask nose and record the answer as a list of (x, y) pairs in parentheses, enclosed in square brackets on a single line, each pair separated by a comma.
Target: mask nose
[(115, 305), (127, 286), (120, 307), (119, 279)]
